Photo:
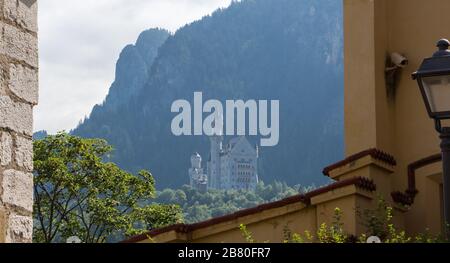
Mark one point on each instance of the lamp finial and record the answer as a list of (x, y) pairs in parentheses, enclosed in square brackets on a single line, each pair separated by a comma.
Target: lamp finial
[(443, 45)]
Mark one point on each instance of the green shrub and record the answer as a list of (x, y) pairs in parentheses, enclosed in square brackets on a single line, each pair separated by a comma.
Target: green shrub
[(379, 222)]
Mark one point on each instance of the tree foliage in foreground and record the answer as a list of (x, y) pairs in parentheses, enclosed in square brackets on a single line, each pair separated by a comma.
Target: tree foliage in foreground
[(78, 194), (199, 206)]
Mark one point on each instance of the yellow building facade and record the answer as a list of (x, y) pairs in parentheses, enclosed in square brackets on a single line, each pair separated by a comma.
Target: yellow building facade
[(392, 147)]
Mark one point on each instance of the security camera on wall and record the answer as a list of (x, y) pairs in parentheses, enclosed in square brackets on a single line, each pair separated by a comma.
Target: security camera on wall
[(398, 61), (394, 64)]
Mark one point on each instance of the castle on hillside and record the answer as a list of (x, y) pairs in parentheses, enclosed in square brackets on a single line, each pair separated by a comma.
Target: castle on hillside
[(233, 166), (197, 178)]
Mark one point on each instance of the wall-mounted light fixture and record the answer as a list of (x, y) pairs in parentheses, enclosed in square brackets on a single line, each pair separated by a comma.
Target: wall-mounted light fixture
[(433, 78)]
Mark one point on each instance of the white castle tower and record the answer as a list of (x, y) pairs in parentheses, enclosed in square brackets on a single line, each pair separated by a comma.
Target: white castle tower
[(198, 179), (214, 163)]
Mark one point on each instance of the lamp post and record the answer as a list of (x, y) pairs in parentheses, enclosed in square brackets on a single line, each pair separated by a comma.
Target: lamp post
[(433, 78)]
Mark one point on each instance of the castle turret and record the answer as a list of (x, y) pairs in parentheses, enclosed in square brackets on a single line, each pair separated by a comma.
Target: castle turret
[(197, 178), (196, 161), (214, 165)]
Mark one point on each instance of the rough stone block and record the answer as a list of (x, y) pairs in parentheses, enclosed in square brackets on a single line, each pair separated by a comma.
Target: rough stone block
[(20, 229), (18, 189), (24, 153), (21, 12), (18, 44), (23, 82), (6, 147), (2, 82), (3, 224), (16, 116), (18, 93)]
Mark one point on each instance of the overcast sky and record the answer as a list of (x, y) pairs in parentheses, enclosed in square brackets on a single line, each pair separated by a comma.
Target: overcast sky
[(80, 42)]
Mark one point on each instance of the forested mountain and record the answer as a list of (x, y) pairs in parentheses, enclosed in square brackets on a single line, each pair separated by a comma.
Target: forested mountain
[(200, 206), (39, 135), (286, 50)]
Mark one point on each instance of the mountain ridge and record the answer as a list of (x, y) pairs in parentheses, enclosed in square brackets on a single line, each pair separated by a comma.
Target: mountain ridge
[(296, 57)]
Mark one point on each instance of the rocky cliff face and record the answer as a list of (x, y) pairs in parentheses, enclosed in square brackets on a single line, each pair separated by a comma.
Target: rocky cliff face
[(286, 50), (133, 67)]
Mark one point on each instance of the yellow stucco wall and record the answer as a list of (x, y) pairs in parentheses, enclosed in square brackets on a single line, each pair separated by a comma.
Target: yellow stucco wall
[(272, 225), (400, 126), (263, 229), (266, 226)]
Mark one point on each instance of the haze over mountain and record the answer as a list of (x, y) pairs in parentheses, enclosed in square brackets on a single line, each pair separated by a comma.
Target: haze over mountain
[(286, 50)]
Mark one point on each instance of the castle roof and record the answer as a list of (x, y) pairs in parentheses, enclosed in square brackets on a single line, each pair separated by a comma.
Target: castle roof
[(234, 141)]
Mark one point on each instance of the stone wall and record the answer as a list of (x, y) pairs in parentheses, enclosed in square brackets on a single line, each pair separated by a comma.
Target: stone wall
[(18, 95)]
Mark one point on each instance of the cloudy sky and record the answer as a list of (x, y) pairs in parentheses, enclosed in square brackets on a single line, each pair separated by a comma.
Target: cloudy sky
[(80, 42)]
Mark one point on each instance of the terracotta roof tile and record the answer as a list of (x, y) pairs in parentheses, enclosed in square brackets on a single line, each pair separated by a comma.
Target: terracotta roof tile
[(402, 198), (375, 153), (408, 197)]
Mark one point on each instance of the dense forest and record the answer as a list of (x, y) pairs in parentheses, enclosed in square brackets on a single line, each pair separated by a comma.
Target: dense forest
[(200, 206), (286, 50)]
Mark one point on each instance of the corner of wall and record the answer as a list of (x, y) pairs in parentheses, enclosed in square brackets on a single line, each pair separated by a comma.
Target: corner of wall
[(18, 96)]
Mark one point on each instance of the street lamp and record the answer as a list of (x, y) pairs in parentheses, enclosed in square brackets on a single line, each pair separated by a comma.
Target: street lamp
[(433, 77)]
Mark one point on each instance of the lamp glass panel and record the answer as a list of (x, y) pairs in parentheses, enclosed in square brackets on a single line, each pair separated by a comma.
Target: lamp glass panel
[(437, 89)]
